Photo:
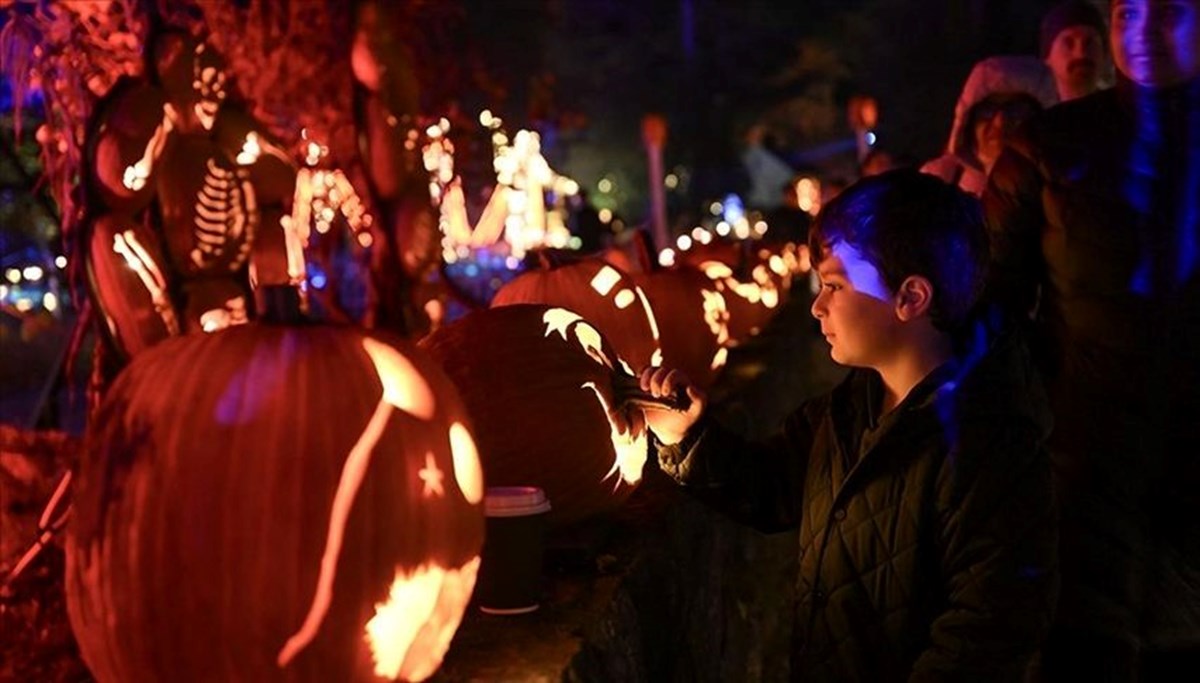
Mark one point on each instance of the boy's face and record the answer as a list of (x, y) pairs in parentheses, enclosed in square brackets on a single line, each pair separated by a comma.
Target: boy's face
[(855, 307)]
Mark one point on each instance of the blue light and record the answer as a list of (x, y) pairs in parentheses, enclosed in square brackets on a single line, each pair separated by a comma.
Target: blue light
[(734, 209), (318, 281), (871, 139)]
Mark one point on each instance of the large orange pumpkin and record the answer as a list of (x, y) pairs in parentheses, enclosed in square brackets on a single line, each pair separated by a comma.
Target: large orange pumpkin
[(274, 503), (538, 382), (602, 295)]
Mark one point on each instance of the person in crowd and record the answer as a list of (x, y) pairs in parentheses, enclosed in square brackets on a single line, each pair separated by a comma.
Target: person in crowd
[(1094, 216), (789, 222), (880, 159), (1071, 43), (920, 484), (1000, 94), (766, 169)]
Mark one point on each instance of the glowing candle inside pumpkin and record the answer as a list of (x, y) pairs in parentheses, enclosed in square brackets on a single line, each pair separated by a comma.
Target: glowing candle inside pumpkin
[(412, 629)]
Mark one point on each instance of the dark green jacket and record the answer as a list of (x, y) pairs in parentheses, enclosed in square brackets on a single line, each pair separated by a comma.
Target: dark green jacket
[(927, 541)]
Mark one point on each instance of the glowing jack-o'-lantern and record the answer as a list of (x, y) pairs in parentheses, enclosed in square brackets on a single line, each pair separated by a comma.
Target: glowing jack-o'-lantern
[(751, 302), (602, 295), (539, 383), (693, 318), (274, 503)]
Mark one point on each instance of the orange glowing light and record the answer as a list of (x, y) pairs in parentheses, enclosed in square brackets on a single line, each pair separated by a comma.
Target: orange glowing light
[(467, 470), (623, 299), (412, 629), (605, 279), (433, 477), (629, 451), (126, 244), (404, 389), (403, 386)]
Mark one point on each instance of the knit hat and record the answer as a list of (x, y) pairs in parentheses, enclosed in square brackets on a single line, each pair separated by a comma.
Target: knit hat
[(1065, 15)]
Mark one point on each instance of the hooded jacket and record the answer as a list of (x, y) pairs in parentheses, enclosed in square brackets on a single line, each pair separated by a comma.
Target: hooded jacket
[(926, 537), (1003, 74)]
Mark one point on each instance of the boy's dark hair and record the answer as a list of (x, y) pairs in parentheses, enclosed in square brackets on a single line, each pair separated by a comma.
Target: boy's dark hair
[(910, 223)]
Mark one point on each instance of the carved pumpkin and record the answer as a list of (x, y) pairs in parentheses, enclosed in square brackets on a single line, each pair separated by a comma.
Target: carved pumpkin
[(274, 503), (127, 136), (602, 295), (128, 281), (751, 302), (693, 319), (209, 209), (538, 382), (242, 139)]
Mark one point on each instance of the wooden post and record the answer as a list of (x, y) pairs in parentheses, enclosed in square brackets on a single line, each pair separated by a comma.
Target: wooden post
[(654, 136)]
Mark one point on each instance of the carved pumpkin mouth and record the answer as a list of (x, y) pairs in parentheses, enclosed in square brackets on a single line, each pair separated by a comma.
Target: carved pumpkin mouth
[(414, 598), (405, 636)]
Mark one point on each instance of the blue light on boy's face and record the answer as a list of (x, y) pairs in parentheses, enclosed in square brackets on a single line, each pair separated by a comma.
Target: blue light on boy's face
[(1156, 43)]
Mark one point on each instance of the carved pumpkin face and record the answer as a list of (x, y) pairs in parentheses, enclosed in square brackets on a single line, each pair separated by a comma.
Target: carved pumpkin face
[(538, 382), (273, 503), (602, 295)]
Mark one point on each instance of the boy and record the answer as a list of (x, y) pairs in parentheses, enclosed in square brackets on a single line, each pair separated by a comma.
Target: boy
[(920, 485)]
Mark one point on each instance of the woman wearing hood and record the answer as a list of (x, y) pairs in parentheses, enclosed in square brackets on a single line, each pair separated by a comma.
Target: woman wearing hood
[(1000, 94)]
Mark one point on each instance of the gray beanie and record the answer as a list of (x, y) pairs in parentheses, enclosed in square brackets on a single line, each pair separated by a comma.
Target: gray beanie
[(1065, 15)]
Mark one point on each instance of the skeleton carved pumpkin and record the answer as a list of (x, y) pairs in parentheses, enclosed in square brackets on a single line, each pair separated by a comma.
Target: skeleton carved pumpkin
[(129, 131), (274, 503), (693, 319), (538, 382), (126, 278), (602, 295)]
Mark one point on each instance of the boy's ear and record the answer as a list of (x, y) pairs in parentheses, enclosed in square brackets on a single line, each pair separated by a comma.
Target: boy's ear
[(914, 298)]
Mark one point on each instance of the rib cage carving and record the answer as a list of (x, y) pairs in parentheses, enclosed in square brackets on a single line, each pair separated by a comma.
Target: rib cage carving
[(227, 217)]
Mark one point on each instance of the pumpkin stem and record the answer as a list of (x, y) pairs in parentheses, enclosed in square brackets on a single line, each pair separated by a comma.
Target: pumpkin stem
[(279, 305)]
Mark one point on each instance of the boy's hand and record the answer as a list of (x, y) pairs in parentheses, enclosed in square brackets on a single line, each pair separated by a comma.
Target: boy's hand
[(670, 426)]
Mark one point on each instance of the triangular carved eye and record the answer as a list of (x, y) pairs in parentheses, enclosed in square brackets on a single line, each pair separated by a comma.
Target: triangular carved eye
[(403, 386)]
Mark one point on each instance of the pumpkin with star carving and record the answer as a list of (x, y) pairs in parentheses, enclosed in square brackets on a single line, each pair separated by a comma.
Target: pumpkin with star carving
[(271, 503)]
